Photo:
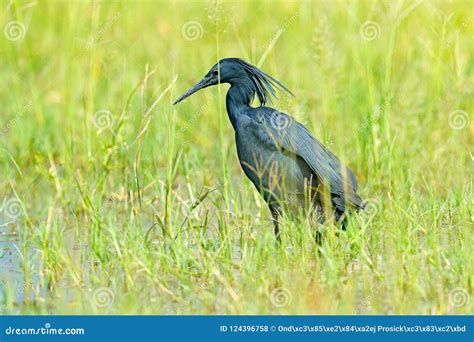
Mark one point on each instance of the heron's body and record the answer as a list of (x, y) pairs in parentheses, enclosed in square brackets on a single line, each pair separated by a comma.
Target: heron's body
[(290, 168), (282, 178)]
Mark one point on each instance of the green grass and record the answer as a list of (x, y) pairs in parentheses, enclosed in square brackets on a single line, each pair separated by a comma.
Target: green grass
[(108, 220)]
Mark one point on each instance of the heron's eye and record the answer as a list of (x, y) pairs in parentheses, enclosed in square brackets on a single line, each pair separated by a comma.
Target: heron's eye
[(215, 73)]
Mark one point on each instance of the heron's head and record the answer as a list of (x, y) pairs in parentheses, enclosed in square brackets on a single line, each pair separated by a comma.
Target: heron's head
[(233, 71)]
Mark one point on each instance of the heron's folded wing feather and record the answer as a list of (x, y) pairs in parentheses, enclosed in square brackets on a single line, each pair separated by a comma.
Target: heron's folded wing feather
[(294, 137)]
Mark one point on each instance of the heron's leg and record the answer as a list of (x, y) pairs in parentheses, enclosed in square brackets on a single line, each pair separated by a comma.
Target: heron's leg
[(275, 215), (341, 218)]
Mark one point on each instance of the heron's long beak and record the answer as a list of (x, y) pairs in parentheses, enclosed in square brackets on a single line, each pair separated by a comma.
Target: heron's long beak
[(205, 82)]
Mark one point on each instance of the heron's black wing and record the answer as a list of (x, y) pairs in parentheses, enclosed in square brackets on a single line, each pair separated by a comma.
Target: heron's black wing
[(292, 136)]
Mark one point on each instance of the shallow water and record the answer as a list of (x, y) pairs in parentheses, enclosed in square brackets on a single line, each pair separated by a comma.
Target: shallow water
[(13, 288)]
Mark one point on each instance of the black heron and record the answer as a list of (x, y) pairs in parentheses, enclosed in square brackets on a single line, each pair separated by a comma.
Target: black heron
[(289, 167)]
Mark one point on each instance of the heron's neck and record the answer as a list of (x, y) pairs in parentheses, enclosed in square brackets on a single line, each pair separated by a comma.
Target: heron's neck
[(238, 100)]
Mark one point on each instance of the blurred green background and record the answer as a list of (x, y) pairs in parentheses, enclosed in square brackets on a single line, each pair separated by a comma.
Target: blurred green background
[(114, 201)]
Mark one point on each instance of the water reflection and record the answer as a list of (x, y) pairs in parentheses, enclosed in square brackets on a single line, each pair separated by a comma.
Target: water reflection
[(13, 288)]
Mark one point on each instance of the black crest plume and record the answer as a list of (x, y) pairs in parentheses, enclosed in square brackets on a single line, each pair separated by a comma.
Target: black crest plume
[(261, 84)]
